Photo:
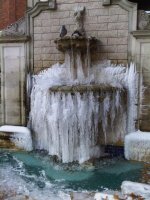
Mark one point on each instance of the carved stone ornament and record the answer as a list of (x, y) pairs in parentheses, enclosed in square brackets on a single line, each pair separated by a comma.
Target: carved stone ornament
[(143, 20), (15, 29), (79, 18)]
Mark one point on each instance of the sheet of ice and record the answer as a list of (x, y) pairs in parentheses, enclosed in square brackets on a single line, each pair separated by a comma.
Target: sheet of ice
[(138, 189), (137, 146), (67, 125), (21, 136)]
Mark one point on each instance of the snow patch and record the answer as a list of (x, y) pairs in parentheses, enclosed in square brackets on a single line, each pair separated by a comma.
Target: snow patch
[(21, 136), (137, 146), (102, 196), (142, 190)]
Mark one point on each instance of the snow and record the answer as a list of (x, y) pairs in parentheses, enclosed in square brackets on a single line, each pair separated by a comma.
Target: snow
[(137, 146), (102, 196), (14, 129), (21, 136), (138, 189)]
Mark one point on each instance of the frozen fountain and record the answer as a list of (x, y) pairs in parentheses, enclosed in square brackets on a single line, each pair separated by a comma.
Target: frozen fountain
[(77, 107)]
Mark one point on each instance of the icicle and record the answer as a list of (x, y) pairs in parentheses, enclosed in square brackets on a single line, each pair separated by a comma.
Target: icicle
[(72, 124)]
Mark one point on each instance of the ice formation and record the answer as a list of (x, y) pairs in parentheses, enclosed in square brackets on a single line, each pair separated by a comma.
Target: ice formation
[(138, 189), (21, 136), (72, 124), (137, 146)]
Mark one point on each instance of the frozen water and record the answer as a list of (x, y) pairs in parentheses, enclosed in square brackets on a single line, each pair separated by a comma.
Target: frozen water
[(138, 189), (21, 136), (137, 146), (72, 125)]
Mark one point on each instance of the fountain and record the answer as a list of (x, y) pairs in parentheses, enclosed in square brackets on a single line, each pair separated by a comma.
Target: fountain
[(81, 107)]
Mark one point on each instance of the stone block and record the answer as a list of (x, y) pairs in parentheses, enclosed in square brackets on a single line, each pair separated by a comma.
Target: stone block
[(37, 37), (145, 112), (37, 51), (123, 18), (37, 23), (118, 26), (45, 43), (44, 15), (123, 33), (38, 57), (116, 10), (38, 30), (117, 56), (67, 21), (103, 41), (96, 27), (98, 12), (107, 49), (113, 18), (37, 65), (59, 14), (119, 41), (37, 44), (144, 125), (103, 19), (107, 34), (122, 48), (91, 20)]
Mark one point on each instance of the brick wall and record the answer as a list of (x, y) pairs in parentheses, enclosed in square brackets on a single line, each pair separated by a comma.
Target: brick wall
[(11, 11), (108, 24)]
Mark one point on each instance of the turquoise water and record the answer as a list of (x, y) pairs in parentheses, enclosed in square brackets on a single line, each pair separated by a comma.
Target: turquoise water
[(40, 170)]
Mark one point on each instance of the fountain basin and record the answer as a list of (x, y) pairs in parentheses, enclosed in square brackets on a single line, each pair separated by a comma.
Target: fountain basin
[(78, 43)]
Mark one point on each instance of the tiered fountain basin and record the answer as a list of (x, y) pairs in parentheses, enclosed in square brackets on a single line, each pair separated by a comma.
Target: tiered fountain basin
[(76, 42), (102, 96), (85, 88)]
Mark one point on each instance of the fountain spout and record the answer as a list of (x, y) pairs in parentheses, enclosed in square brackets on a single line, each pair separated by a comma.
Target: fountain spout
[(77, 47)]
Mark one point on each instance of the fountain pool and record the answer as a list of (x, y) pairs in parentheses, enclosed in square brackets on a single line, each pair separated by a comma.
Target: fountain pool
[(35, 174)]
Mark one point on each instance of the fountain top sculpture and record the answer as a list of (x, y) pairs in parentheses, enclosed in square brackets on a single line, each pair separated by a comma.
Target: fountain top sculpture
[(77, 40), (79, 20), (77, 46)]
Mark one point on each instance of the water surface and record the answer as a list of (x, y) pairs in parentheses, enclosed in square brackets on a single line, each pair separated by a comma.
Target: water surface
[(36, 174)]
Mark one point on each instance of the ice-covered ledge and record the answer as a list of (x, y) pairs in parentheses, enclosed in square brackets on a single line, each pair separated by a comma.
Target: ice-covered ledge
[(19, 135), (137, 146)]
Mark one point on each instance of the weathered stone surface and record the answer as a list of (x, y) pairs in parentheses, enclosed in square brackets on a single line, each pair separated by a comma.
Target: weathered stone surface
[(13, 82), (104, 23)]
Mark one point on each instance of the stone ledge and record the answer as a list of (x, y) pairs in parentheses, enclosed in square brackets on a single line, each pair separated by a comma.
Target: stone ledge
[(141, 34), (10, 39), (85, 88)]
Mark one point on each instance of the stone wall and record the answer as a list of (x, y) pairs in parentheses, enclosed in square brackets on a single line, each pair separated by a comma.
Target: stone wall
[(12, 63), (109, 24), (141, 56)]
